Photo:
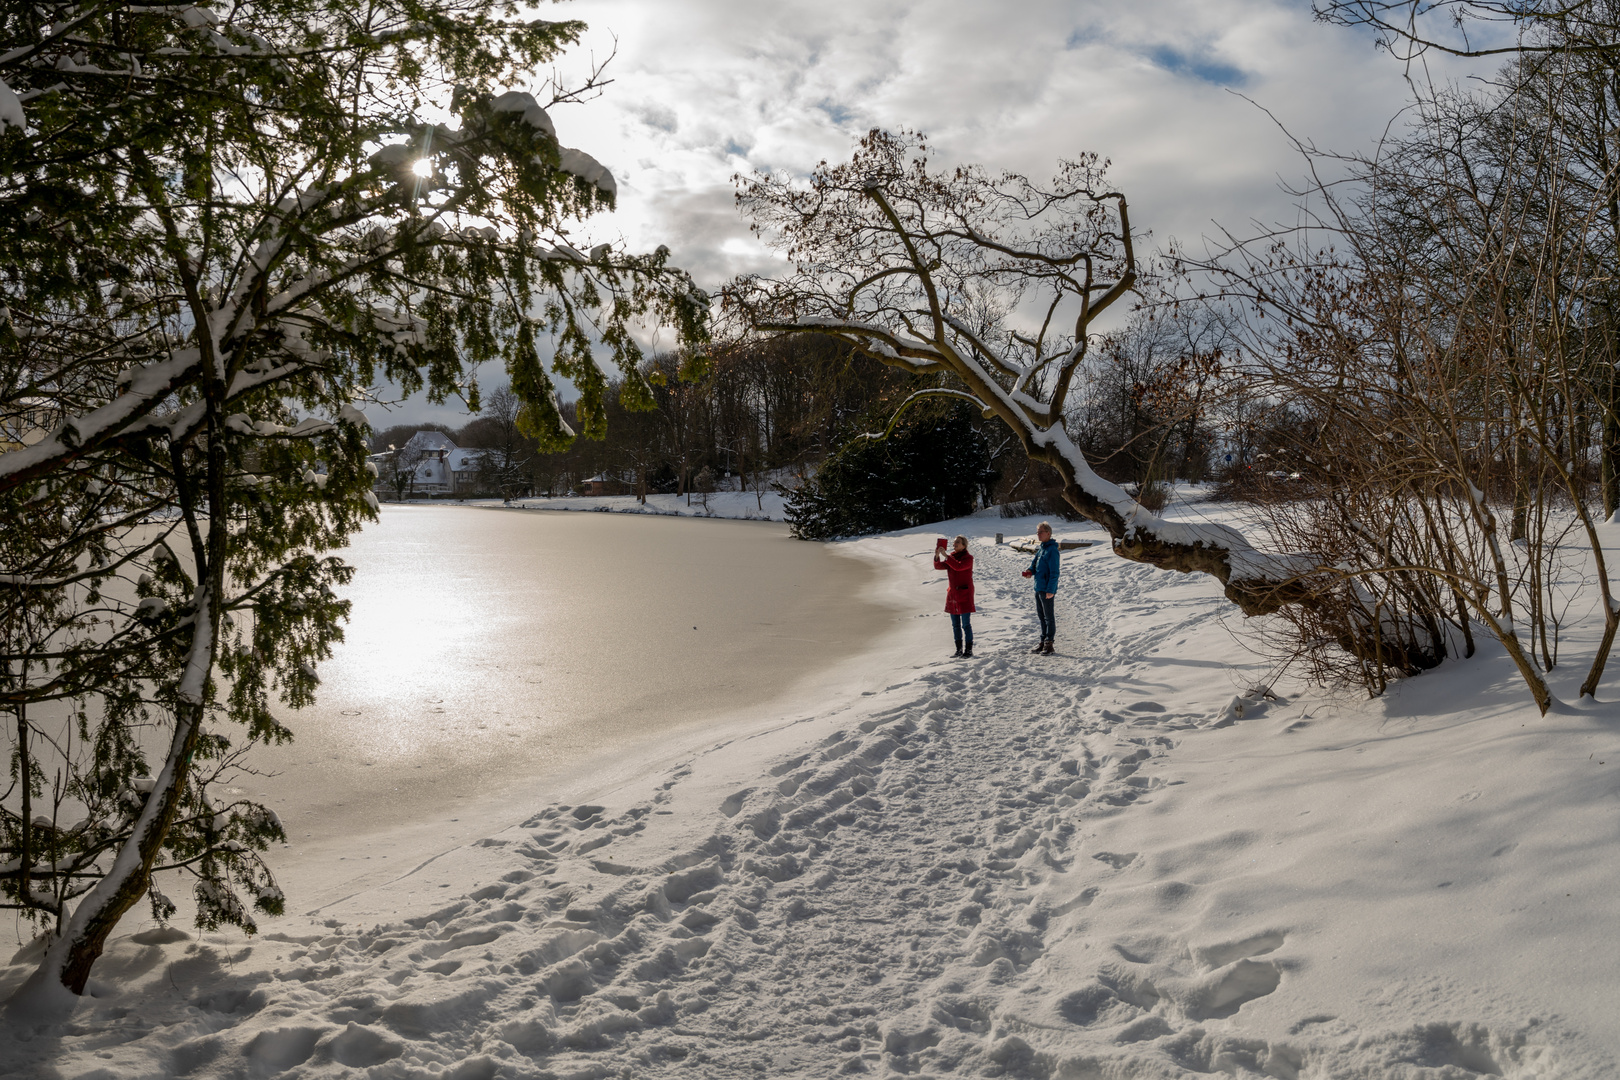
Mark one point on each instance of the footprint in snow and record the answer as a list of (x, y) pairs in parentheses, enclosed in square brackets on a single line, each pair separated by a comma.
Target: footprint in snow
[(1218, 956)]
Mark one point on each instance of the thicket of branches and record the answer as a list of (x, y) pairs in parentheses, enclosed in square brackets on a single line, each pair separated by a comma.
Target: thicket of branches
[(763, 409), (1440, 342), (1150, 407)]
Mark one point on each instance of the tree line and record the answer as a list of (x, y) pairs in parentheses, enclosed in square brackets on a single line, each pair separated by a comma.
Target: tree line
[(771, 410)]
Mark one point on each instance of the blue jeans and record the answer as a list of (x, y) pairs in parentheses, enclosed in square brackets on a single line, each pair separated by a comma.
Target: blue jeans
[(960, 625), (1046, 612)]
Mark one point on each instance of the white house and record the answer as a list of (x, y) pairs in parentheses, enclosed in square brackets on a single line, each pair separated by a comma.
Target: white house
[(442, 468)]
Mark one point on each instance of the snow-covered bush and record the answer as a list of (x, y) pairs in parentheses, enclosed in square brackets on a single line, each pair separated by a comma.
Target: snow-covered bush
[(931, 467)]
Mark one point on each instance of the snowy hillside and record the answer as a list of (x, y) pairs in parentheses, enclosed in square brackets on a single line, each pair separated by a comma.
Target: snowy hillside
[(1115, 862)]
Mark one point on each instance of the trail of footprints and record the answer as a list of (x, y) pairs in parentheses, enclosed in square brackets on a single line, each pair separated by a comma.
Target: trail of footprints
[(880, 903), (870, 905)]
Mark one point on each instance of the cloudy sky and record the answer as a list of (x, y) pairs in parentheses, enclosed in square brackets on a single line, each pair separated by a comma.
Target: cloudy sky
[(704, 89)]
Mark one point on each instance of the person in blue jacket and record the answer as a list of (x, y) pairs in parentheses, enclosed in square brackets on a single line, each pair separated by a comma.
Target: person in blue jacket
[(1044, 569)]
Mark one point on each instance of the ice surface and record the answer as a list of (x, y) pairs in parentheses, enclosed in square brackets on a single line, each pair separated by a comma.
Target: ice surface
[(737, 505)]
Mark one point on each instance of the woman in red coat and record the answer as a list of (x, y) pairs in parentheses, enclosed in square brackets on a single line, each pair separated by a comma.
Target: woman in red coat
[(958, 566)]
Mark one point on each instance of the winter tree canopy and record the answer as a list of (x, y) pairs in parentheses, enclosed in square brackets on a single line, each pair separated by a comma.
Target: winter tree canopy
[(923, 269)]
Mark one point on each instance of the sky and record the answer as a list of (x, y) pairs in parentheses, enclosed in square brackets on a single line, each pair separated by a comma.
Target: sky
[(1175, 92)]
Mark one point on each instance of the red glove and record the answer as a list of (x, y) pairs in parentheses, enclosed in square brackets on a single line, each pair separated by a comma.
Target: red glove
[(1029, 573)]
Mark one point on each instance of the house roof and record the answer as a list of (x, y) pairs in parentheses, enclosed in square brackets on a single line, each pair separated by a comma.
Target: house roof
[(431, 440)]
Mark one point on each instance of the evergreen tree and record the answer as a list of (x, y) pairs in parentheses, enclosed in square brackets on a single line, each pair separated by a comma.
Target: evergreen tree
[(930, 467), (218, 226)]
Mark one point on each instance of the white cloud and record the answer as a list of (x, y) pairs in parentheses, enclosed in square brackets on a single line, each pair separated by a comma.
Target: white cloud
[(705, 89)]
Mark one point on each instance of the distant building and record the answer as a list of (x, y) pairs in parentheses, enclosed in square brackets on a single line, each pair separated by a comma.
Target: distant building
[(603, 484), (26, 425), (442, 467)]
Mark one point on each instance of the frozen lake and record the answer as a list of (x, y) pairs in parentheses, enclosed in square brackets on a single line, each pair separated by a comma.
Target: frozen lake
[(489, 650)]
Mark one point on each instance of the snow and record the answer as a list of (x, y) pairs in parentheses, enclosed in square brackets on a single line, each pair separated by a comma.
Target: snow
[(1152, 855), (11, 110), (529, 110), (151, 608), (588, 169), (396, 156), (197, 17)]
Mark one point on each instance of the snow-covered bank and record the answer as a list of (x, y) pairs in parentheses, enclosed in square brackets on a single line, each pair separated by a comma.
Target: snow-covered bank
[(738, 505), (1095, 864), (743, 505)]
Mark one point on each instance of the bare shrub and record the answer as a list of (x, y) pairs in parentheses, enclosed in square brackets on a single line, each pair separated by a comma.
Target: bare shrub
[(1444, 333)]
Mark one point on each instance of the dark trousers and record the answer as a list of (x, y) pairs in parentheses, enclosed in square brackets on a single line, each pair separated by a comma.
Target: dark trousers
[(1046, 612), (960, 625)]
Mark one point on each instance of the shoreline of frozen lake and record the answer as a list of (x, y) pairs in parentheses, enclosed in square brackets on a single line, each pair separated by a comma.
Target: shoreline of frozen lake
[(494, 659)]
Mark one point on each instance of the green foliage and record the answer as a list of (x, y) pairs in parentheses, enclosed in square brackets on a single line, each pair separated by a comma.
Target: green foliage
[(219, 226), (931, 467)]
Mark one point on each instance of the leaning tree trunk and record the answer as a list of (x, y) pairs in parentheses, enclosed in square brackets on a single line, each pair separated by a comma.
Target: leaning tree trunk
[(1258, 582), (69, 958), (884, 253)]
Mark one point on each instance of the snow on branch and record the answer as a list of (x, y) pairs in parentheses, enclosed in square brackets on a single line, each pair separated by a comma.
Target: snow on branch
[(934, 391), (11, 110)]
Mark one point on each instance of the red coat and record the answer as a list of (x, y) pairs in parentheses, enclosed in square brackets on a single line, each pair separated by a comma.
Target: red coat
[(959, 597)]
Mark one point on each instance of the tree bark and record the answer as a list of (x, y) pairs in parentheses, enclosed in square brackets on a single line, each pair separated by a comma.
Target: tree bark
[(1609, 452)]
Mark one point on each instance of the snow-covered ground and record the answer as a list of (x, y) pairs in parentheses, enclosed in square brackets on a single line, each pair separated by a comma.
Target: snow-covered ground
[(740, 505), (1114, 862)]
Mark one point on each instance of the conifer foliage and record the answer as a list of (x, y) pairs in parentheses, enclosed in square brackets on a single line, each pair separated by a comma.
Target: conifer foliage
[(929, 468), (219, 224)]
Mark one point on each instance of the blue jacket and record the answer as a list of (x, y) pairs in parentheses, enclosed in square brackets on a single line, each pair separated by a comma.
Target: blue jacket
[(1045, 567)]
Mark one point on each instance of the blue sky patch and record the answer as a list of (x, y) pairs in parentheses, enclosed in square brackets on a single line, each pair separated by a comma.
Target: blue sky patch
[(840, 115), (1198, 67)]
